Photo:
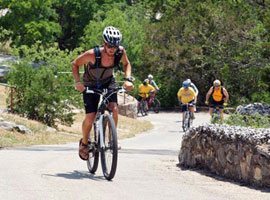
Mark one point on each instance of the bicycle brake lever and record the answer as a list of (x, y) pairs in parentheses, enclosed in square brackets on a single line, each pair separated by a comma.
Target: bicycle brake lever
[(89, 91)]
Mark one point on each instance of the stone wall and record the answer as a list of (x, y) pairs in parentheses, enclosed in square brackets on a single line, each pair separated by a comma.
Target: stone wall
[(238, 153), (250, 109)]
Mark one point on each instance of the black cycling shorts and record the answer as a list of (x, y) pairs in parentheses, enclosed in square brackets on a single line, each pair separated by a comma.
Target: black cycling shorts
[(184, 106), (91, 100), (214, 104)]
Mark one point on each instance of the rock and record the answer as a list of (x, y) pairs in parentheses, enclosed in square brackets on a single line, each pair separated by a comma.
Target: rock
[(250, 109), (127, 105), (10, 126)]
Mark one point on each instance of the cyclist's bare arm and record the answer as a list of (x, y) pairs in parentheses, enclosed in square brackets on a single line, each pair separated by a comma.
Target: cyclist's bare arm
[(226, 94), (82, 59), (195, 99), (127, 70), (208, 94)]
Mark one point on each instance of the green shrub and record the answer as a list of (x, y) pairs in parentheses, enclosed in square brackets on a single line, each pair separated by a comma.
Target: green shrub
[(41, 92), (255, 120)]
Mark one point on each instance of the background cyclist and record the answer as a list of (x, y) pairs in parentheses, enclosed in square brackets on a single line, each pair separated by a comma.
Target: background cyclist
[(218, 97), (152, 82), (187, 95), (144, 91), (100, 77)]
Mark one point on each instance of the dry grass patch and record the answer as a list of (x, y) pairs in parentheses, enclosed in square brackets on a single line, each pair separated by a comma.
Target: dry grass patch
[(127, 127), (3, 96), (39, 135)]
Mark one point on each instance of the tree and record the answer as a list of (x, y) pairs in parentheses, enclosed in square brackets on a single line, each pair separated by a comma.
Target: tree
[(30, 21), (131, 24), (41, 92)]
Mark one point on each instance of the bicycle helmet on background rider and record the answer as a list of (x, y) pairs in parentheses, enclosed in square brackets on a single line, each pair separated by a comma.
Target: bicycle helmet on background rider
[(150, 76), (217, 82), (112, 36), (185, 84), (189, 81), (146, 82)]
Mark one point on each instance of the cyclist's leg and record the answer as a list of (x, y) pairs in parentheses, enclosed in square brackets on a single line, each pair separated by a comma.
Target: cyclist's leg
[(90, 105), (191, 109), (220, 105), (90, 102), (139, 98), (114, 108), (183, 109), (147, 101), (212, 105), (87, 126)]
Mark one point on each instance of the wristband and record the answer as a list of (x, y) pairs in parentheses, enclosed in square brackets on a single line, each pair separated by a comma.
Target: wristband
[(129, 79)]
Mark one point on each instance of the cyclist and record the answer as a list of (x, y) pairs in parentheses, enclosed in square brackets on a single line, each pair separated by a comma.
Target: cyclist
[(145, 89), (219, 97), (98, 74), (152, 82), (187, 95)]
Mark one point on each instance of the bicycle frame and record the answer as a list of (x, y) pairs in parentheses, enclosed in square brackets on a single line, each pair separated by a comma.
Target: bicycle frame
[(102, 106), (216, 115), (187, 120)]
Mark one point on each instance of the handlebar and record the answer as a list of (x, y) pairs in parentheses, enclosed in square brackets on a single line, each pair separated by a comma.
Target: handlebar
[(104, 92)]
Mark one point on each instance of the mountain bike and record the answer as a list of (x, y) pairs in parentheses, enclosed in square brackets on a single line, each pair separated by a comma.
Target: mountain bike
[(142, 106), (104, 140), (187, 118), (154, 103), (216, 116)]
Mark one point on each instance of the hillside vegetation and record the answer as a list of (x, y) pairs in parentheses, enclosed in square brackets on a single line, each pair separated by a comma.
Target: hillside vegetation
[(173, 40)]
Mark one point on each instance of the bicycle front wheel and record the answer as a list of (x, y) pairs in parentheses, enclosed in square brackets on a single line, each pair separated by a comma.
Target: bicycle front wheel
[(92, 162), (185, 121), (109, 153)]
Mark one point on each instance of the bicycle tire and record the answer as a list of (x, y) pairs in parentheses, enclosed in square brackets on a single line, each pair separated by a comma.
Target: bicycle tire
[(142, 107), (111, 147), (156, 105), (185, 121), (145, 107), (92, 162)]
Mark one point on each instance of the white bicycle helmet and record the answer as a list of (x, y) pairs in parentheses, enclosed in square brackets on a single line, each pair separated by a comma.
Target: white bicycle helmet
[(150, 76), (217, 83), (112, 36), (189, 81)]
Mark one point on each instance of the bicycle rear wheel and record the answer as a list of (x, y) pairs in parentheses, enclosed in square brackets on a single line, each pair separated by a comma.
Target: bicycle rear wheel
[(109, 153), (92, 162), (156, 105)]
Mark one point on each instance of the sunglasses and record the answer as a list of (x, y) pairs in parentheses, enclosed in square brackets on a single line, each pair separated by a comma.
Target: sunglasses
[(111, 46)]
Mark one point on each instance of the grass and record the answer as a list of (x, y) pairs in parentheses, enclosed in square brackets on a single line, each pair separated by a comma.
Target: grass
[(127, 128)]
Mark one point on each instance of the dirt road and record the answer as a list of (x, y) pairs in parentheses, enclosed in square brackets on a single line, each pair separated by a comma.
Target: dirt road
[(147, 169)]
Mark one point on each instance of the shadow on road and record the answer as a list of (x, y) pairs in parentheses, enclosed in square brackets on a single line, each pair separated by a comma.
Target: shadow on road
[(43, 148), (219, 178), (76, 175), (150, 151)]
